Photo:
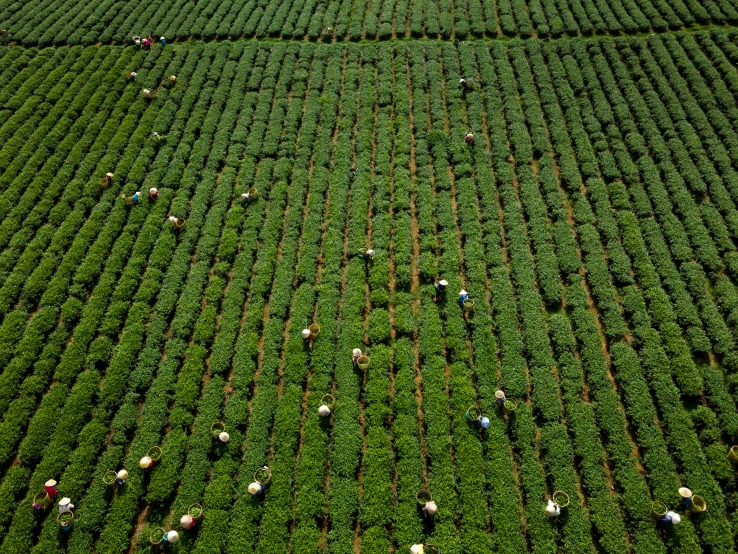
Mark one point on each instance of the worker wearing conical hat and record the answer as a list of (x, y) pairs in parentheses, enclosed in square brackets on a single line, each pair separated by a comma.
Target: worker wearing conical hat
[(121, 477), (50, 488), (65, 505), (356, 355), (463, 296), (552, 509), (670, 519), (440, 285)]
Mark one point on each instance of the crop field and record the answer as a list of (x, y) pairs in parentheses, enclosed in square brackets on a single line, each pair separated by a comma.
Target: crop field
[(593, 220), (75, 22)]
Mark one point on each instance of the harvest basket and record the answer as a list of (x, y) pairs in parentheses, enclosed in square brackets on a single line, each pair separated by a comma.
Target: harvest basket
[(65, 520), (42, 499), (263, 475), (109, 477), (423, 496), (157, 536), (314, 328), (468, 305), (328, 400), (178, 222), (216, 429), (561, 499), (733, 454), (473, 414), (253, 193), (195, 511), (104, 181), (154, 453), (509, 406), (658, 508), (363, 362), (698, 504)]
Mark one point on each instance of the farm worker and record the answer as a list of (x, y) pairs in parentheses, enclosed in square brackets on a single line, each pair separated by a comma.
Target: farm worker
[(440, 285), (147, 94), (50, 488), (500, 396), (357, 354), (417, 549), (169, 538), (109, 177), (463, 295), (132, 76), (120, 477), (469, 138), (224, 437), (368, 254), (466, 84), (136, 197), (553, 509), (686, 495), (430, 508), (147, 43), (153, 193), (65, 505), (187, 522), (670, 518), (256, 488), (246, 197), (484, 423), (155, 135), (146, 462), (306, 334), (163, 41), (324, 411)]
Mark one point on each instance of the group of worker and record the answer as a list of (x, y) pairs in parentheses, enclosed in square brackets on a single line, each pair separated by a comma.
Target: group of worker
[(147, 41), (135, 198)]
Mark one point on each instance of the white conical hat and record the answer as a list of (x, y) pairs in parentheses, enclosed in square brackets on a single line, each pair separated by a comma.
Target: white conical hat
[(162, 38), (462, 292), (684, 492), (50, 483), (245, 195), (357, 351), (145, 462), (431, 507), (185, 520), (64, 501), (254, 488), (122, 474), (172, 536), (443, 282), (153, 190), (484, 422), (551, 509), (324, 411), (675, 518), (306, 333), (417, 549), (224, 437), (499, 394), (108, 174)]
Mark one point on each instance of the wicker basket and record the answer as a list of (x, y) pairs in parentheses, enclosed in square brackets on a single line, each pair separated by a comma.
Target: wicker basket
[(154, 453), (509, 406), (363, 362), (468, 305), (43, 499), (698, 504), (561, 499), (423, 496), (328, 400), (195, 511), (733, 454), (157, 536), (217, 428), (314, 329), (65, 520), (658, 508), (473, 414), (263, 475), (109, 477)]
